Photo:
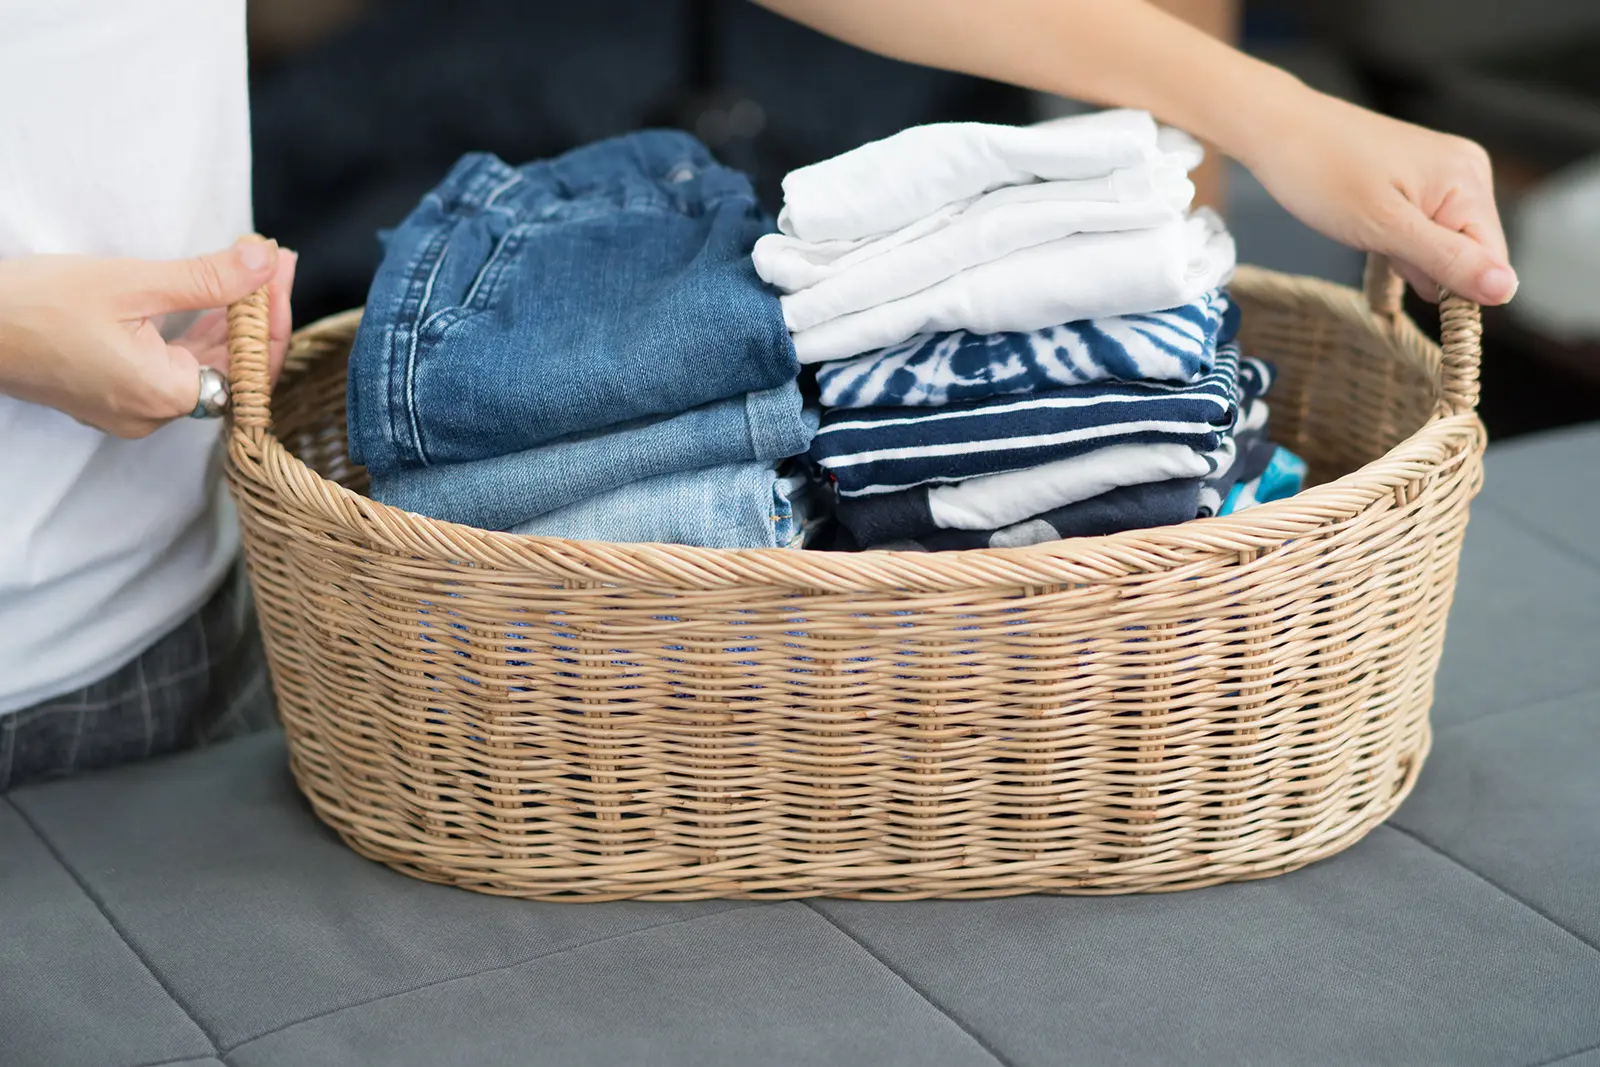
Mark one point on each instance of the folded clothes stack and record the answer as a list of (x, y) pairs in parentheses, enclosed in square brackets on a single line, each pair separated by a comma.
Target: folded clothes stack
[(581, 348), (1021, 335), (1017, 333)]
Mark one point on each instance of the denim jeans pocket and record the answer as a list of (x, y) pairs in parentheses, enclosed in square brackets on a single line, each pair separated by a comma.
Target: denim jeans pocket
[(486, 288), (482, 290)]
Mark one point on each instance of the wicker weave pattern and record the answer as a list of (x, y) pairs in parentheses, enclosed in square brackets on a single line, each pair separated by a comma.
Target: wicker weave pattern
[(1231, 698)]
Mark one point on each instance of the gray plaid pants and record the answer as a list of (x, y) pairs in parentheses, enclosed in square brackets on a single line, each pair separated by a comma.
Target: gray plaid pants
[(204, 682)]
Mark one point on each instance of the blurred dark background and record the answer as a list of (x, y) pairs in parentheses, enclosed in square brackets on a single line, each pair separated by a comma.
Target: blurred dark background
[(359, 106)]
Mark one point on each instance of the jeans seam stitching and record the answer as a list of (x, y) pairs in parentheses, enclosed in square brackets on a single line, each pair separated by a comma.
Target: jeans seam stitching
[(413, 339), (230, 1050), (921, 993), (116, 928)]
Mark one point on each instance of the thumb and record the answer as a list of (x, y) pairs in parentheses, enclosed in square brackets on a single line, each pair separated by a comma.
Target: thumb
[(210, 281), (1453, 260)]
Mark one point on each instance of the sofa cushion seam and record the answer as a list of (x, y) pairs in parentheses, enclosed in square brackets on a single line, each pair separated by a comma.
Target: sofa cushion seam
[(116, 928), (1530, 707), (1559, 1060), (1539, 533), (921, 993), (1492, 884), (552, 954)]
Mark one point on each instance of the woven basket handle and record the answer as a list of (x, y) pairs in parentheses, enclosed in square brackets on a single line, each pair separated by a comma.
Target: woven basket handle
[(1460, 332), (249, 384)]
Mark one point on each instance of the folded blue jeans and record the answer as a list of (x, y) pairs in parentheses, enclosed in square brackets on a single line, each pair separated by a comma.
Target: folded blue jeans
[(520, 305), (500, 492), (740, 505)]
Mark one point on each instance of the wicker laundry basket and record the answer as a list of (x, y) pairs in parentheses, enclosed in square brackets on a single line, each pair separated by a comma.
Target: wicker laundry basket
[(1226, 699)]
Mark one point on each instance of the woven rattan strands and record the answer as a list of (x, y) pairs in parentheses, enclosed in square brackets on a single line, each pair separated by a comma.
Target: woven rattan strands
[(1230, 698)]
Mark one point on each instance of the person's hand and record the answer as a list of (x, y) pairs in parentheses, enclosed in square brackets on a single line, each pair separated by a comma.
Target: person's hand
[(1423, 198), (81, 335)]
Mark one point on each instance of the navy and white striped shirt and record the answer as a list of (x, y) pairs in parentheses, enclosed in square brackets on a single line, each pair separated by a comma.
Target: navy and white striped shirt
[(886, 450), (930, 370)]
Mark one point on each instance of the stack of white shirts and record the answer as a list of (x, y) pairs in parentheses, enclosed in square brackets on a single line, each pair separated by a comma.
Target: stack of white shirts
[(989, 229), (1020, 333)]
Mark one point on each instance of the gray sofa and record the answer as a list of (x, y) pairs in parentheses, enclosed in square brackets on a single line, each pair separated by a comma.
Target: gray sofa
[(192, 912)]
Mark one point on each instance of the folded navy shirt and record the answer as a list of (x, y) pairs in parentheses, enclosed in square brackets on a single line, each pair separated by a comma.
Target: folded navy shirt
[(886, 450), (1132, 507), (897, 519), (1129, 507), (518, 305)]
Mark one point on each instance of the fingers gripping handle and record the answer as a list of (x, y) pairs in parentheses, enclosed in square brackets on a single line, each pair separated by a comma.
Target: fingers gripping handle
[(1460, 332)]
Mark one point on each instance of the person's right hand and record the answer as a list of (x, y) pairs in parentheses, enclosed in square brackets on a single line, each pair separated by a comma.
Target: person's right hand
[(80, 334), (1423, 198)]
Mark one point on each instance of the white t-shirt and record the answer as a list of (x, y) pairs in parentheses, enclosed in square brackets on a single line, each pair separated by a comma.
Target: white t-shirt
[(124, 131)]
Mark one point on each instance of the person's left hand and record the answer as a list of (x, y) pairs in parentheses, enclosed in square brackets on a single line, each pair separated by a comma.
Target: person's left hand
[(80, 333)]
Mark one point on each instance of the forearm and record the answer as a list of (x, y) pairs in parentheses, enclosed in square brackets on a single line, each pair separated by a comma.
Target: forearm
[(1123, 53)]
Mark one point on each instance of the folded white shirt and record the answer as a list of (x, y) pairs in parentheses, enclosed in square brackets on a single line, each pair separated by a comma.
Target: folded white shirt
[(999, 500), (1083, 276), (885, 185), (824, 280)]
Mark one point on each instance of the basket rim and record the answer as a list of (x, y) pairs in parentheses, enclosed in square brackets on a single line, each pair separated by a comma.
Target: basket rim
[(257, 456)]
